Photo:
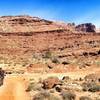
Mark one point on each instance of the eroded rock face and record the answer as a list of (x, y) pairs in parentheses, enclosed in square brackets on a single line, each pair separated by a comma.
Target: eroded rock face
[(13, 24), (87, 27), (50, 82)]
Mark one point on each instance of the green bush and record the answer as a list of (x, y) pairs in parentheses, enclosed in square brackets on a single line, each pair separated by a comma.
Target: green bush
[(45, 95), (42, 96), (92, 87), (87, 86), (55, 60), (95, 88), (68, 95), (97, 63), (54, 97), (34, 86), (66, 78), (65, 63), (47, 54), (85, 98)]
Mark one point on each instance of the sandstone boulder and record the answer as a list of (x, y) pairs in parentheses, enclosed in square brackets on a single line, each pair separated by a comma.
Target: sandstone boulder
[(86, 27), (50, 82)]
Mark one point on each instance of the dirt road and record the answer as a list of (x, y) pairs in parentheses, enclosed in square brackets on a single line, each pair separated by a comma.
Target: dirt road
[(14, 88)]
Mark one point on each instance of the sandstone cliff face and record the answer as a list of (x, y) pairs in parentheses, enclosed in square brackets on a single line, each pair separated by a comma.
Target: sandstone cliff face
[(25, 24), (15, 24), (87, 27), (23, 36)]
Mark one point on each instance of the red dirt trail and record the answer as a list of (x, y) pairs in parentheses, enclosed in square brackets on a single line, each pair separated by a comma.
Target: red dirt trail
[(14, 88)]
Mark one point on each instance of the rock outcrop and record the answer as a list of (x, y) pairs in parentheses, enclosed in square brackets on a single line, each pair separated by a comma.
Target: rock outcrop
[(15, 24), (50, 82), (87, 27)]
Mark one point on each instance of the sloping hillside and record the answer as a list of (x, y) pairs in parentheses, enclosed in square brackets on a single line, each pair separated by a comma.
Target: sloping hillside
[(24, 39)]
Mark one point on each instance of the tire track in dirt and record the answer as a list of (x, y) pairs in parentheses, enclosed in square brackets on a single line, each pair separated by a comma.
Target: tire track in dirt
[(14, 88)]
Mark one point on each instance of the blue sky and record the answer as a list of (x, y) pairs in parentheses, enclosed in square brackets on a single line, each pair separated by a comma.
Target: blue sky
[(78, 11)]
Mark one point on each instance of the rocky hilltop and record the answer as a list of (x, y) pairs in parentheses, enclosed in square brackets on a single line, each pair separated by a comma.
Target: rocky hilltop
[(25, 24), (14, 24)]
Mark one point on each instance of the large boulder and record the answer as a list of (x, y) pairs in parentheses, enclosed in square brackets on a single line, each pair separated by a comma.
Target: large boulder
[(86, 27), (50, 82)]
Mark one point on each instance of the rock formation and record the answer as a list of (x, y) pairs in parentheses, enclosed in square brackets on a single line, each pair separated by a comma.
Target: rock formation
[(87, 27)]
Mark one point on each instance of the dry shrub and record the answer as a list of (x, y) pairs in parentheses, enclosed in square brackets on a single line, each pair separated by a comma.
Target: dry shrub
[(85, 98), (68, 95)]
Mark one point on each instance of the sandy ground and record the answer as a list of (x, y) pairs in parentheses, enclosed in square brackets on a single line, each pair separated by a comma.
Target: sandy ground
[(15, 84)]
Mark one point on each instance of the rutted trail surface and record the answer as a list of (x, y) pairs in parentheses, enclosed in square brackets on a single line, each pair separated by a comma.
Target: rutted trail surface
[(14, 88)]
